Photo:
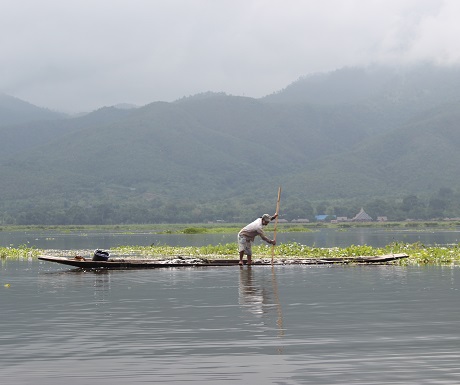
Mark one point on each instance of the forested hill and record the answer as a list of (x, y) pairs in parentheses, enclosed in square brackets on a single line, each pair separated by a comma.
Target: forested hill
[(16, 111), (352, 135)]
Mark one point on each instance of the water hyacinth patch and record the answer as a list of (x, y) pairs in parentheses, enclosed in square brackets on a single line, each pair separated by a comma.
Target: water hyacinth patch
[(20, 252), (419, 254)]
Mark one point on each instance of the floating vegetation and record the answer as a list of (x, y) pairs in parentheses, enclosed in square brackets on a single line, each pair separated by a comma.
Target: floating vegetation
[(195, 230), (419, 254), (20, 252)]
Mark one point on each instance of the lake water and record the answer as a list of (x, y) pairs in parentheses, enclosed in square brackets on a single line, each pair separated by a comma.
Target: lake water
[(377, 237), (229, 325)]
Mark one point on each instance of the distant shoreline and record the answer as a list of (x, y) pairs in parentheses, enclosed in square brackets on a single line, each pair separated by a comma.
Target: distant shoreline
[(210, 228)]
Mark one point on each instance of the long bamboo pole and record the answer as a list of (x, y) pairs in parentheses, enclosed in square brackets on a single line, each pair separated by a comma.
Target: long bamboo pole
[(276, 221)]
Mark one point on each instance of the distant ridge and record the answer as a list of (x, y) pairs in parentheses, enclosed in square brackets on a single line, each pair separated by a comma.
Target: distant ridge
[(353, 135), (427, 85), (15, 111), (125, 106)]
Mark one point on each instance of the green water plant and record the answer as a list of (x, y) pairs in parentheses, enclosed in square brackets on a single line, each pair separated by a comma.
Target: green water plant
[(194, 230), (19, 252), (418, 253)]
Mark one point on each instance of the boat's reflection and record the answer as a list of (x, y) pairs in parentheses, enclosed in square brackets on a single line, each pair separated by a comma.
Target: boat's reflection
[(78, 279)]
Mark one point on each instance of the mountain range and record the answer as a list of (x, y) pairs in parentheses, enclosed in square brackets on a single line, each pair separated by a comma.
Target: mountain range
[(350, 135)]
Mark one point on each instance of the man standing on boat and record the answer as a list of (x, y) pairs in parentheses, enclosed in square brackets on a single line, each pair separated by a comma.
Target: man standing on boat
[(248, 233)]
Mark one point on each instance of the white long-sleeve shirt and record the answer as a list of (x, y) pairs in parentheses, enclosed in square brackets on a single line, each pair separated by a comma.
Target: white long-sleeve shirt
[(253, 230)]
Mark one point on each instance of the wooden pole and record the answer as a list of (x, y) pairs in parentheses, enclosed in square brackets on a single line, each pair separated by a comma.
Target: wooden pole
[(279, 321), (276, 221)]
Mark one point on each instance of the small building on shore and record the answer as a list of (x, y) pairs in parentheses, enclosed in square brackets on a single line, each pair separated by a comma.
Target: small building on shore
[(324, 217), (362, 216)]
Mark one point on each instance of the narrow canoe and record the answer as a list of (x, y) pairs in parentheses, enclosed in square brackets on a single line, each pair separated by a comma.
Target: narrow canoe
[(120, 263)]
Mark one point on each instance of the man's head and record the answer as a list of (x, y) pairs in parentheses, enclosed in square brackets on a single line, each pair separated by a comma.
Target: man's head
[(266, 219)]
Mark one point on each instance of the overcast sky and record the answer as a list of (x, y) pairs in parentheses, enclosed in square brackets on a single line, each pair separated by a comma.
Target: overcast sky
[(80, 55)]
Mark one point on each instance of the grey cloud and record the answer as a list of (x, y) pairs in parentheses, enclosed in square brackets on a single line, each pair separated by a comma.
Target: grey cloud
[(80, 55)]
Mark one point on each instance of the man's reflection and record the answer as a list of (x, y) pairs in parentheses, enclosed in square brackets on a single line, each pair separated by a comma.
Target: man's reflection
[(251, 296), (259, 296)]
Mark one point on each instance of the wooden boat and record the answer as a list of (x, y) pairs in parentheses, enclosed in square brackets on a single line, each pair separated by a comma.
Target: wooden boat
[(127, 263)]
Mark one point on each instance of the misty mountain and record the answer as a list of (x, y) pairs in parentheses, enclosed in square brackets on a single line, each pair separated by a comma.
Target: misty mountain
[(201, 148), (16, 111), (425, 85), (419, 157), (394, 96), (20, 138), (352, 134)]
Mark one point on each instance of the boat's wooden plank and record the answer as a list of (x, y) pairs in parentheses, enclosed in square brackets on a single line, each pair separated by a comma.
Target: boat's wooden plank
[(156, 264)]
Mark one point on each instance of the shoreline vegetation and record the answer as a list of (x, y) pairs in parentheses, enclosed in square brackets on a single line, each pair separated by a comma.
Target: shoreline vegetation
[(419, 254), (223, 227)]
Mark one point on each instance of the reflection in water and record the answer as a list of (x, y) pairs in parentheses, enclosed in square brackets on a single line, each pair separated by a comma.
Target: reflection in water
[(101, 285), (279, 321), (352, 325), (54, 281), (251, 296), (259, 297)]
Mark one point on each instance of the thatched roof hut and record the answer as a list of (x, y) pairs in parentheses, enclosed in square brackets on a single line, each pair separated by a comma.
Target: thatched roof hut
[(362, 216)]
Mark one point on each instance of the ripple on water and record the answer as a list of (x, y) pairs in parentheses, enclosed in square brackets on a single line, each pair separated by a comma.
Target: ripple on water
[(289, 325)]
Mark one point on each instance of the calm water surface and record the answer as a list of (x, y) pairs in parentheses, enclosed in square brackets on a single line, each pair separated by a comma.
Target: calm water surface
[(376, 237), (226, 325)]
